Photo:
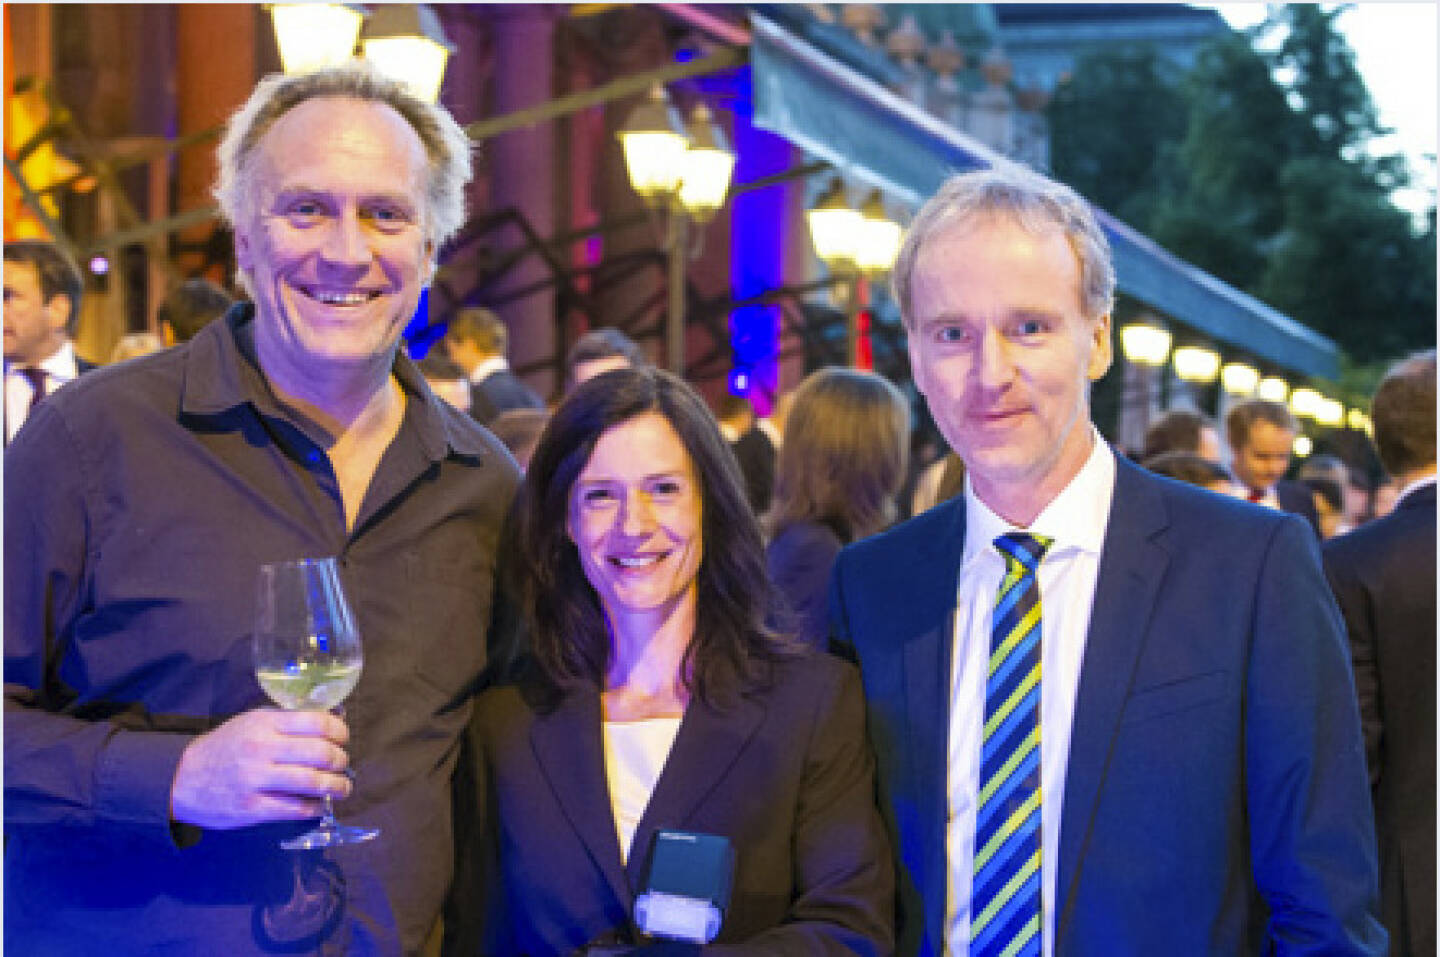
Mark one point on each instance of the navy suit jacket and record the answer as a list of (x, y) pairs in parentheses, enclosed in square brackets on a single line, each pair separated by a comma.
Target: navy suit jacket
[(1383, 574), (1296, 498), (498, 392), (1215, 800)]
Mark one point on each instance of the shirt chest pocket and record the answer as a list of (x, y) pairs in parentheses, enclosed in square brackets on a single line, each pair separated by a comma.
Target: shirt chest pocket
[(448, 598)]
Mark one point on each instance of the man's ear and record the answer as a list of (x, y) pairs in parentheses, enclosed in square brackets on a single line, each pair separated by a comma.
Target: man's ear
[(57, 311), (1102, 352)]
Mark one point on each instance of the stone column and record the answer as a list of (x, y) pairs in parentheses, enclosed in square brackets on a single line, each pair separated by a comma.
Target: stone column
[(214, 72), (522, 173)]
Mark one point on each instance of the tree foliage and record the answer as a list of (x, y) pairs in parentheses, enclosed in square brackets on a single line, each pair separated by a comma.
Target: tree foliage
[(1262, 182)]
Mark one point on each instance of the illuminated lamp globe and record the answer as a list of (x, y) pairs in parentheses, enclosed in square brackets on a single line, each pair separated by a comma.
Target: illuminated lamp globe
[(708, 164), (406, 42), (312, 36), (654, 142)]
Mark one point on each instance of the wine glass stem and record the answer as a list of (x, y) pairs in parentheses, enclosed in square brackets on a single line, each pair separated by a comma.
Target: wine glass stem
[(327, 818)]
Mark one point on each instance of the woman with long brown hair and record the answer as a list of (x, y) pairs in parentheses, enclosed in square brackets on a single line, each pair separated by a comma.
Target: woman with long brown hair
[(840, 467), (656, 698)]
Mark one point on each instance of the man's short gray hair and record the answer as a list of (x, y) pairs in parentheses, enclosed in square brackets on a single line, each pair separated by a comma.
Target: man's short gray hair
[(446, 145), (1037, 204)]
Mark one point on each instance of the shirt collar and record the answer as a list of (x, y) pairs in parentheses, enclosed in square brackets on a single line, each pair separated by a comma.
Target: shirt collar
[(487, 367), (222, 372), (59, 366), (1414, 486), (1075, 519)]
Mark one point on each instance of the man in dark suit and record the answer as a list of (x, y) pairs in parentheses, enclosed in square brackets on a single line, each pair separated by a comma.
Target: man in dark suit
[(1261, 434), (42, 308), (752, 447), (1383, 574), (1200, 787), (477, 340)]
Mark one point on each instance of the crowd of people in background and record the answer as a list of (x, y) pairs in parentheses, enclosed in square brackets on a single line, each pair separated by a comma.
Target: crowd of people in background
[(593, 621)]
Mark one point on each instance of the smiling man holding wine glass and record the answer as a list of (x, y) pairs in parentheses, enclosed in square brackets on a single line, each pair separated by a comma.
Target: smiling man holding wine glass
[(149, 783)]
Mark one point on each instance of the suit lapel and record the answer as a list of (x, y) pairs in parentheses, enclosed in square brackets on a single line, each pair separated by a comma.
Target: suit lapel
[(708, 743), (926, 662), (1132, 565), (567, 744)]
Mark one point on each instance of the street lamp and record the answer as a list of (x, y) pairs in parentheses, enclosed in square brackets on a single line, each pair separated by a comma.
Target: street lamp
[(706, 167), (685, 174), (834, 228), (1237, 378), (878, 240), (854, 246), (1330, 413), (1273, 389), (654, 142), (1306, 403), (1196, 364), (1145, 344), (315, 35), (406, 42)]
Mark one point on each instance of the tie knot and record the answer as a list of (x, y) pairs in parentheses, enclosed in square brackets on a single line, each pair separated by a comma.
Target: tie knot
[(35, 376), (1023, 550)]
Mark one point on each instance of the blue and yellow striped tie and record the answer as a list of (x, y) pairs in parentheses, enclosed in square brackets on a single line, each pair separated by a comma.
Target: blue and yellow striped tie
[(1005, 889)]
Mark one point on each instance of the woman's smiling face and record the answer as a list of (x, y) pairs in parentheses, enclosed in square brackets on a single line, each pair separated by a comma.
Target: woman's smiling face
[(635, 518)]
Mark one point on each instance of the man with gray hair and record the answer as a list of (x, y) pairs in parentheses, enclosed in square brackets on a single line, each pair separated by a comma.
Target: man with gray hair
[(147, 783), (1187, 776)]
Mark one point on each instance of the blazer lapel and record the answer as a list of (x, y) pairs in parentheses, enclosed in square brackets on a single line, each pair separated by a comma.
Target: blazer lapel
[(926, 660), (1132, 566), (708, 743), (567, 744)]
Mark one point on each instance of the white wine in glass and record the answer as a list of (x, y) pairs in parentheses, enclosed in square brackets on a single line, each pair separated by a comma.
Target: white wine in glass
[(307, 658)]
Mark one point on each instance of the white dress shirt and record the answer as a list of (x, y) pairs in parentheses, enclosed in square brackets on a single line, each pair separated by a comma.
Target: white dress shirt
[(1076, 520), (485, 368), (59, 369)]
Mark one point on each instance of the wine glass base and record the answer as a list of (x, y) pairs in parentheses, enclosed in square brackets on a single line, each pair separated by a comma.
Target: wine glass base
[(330, 836)]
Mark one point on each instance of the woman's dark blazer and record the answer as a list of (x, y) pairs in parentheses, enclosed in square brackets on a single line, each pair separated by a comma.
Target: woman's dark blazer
[(785, 773)]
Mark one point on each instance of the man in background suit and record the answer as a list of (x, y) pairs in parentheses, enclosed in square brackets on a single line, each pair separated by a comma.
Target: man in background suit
[(190, 307), (1260, 434), (753, 449), (477, 340), (1200, 763), (42, 307), (1383, 574)]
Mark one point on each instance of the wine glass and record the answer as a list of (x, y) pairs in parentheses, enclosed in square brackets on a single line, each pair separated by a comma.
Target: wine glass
[(307, 658)]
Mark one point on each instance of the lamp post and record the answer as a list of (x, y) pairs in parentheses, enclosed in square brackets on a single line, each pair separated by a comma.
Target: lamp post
[(685, 174), (855, 246), (1146, 346)]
